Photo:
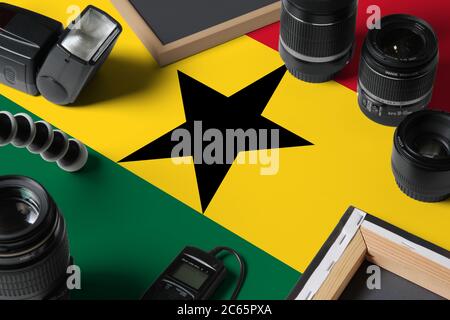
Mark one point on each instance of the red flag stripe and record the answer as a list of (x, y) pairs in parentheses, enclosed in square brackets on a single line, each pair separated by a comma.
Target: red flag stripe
[(433, 11)]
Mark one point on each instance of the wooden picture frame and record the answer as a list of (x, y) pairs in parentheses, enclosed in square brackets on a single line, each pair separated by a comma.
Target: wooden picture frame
[(360, 236), (166, 54)]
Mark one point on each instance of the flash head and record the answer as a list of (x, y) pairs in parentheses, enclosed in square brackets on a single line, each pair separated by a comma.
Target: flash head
[(38, 56), (81, 50), (88, 33)]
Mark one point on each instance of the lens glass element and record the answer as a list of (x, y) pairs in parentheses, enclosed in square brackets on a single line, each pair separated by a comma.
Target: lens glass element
[(18, 210), (431, 147), (401, 43)]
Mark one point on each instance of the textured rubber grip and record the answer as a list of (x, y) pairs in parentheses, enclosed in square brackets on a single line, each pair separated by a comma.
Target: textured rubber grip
[(395, 90), (318, 41), (415, 191), (38, 280)]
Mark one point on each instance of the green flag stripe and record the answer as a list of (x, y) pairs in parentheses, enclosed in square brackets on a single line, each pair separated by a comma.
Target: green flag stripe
[(124, 232)]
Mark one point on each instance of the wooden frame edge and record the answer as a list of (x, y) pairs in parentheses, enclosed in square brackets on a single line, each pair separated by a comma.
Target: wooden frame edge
[(379, 242), (166, 54), (220, 33), (343, 270), (140, 28), (405, 261)]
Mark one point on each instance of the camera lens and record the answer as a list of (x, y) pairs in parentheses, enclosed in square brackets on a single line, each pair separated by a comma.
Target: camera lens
[(317, 37), (34, 249), (421, 156), (19, 210), (397, 69)]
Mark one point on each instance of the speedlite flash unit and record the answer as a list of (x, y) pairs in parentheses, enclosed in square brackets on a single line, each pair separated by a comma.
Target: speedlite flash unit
[(38, 56), (81, 50)]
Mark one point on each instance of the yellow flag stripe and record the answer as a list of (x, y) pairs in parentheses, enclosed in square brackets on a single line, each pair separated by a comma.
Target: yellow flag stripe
[(133, 102)]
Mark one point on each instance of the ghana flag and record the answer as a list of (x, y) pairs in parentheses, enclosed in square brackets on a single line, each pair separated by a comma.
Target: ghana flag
[(133, 209)]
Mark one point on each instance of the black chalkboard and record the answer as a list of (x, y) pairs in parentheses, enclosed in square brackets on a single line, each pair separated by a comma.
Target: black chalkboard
[(172, 20)]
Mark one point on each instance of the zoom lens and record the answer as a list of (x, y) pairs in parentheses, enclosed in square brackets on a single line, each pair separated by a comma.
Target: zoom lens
[(397, 69), (317, 37), (34, 249), (421, 156)]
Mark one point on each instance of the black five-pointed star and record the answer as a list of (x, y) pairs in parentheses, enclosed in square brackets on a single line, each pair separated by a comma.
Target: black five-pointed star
[(240, 111)]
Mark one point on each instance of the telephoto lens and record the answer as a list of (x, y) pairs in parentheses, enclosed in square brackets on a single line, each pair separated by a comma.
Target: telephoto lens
[(317, 37), (34, 249), (421, 156), (397, 69)]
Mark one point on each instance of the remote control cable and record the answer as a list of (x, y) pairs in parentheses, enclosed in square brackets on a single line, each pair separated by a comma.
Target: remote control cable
[(241, 262)]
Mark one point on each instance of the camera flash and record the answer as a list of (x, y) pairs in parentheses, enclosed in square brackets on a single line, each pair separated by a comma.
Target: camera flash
[(88, 34), (82, 49)]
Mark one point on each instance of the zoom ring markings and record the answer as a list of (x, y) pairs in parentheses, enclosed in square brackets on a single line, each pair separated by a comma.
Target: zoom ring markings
[(314, 40), (404, 90)]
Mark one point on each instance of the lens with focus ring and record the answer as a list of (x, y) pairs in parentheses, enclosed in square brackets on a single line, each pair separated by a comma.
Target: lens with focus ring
[(317, 37), (397, 69), (421, 156), (34, 249), (19, 210)]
